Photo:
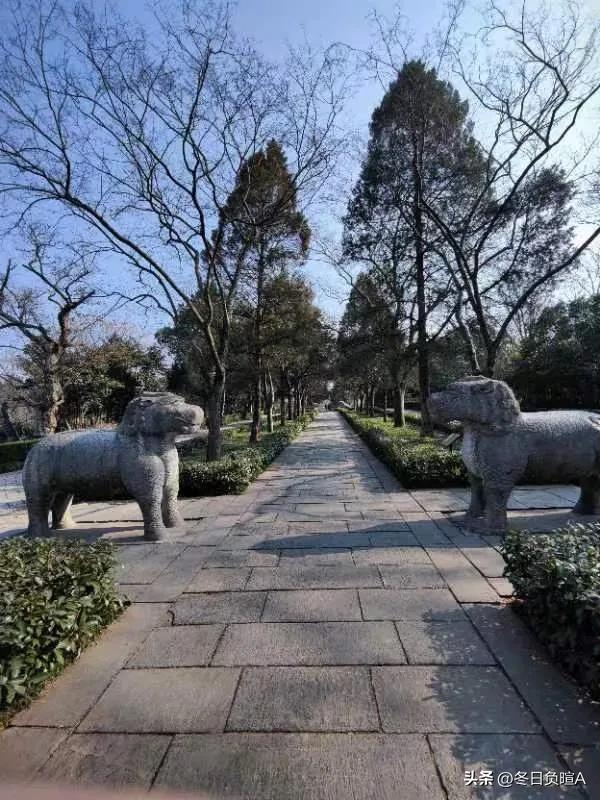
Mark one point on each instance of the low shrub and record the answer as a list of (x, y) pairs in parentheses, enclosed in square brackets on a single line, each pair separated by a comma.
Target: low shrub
[(557, 583), (233, 473), (13, 454), (55, 598), (418, 462)]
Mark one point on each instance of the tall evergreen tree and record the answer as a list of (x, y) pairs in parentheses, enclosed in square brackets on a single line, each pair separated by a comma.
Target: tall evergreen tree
[(420, 146), (271, 232)]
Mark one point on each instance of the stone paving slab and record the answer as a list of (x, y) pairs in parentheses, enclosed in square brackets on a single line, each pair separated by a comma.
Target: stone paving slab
[(317, 605), (23, 751), (302, 767), (456, 754), (446, 699), (411, 576), (206, 609), (454, 642), (193, 700), (219, 580), (309, 644), (107, 759), (304, 699), (317, 577), (410, 604), (178, 646)]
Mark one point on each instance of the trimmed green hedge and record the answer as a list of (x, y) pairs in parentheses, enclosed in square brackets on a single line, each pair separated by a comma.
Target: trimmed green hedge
[(233, 473), (13, 454), (55, 598), (418, 462), (557, 581)]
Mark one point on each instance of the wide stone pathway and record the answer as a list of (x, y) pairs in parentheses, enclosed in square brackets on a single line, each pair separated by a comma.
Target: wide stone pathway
[(321, 636)]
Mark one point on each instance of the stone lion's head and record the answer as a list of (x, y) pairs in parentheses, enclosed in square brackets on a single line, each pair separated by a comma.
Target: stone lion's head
[(160, 414), (476, 400)]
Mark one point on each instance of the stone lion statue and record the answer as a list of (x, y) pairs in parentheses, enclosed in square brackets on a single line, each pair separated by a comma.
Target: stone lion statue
[(139, 456), (501, 443)]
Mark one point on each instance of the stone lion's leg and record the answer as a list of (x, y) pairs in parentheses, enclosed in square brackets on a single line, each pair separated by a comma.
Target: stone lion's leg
[(477, 504), (496, 499), (170, 511), (38, 508), (61, 512), (589, 498), (149, 499)]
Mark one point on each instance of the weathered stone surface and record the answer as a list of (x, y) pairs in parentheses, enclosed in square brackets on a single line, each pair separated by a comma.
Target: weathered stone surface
[(466, 583), (449, 699), (455, 754), (316, 605), (487, 560), (307, 557), (219, 580), (178, 646), (443, 643), (140, 453), (310, 643), (174, 579), (335, 577), (302, 767), (410, 604), (206, 609), (587, 761), (563, 712), (411, 576), (23, 751), (193, 700), (400, 556), (500, 443), (107, 759), (304, 699), (242, 558), (148, 568)]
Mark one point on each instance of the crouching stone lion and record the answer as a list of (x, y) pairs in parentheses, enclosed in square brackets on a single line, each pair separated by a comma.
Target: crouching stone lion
[(500, 444), (139, 455)]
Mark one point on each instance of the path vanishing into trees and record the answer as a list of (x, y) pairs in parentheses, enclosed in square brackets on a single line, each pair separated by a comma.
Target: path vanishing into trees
[(327, 634)]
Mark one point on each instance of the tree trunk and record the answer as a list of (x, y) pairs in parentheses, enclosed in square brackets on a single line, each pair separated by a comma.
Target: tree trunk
[(422, 339), (399, 414), (255, 427), (282, 398), (214, 419), (385, 402), (269, 399)]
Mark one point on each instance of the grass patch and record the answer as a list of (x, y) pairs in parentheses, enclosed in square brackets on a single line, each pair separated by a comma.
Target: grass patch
[(418, 462), (55, 598), (556, 577)]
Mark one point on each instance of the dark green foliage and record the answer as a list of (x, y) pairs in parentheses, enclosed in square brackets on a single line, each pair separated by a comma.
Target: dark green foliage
[(557, 578), (418, 462), (13, 454), (556, 365), (233, 473), (55, 598)]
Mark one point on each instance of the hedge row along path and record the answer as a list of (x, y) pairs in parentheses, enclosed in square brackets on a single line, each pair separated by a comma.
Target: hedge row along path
[(324, 635)]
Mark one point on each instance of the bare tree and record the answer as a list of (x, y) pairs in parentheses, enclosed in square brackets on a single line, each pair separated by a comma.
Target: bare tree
[(541, 78), (141, 134), (61, 285)]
